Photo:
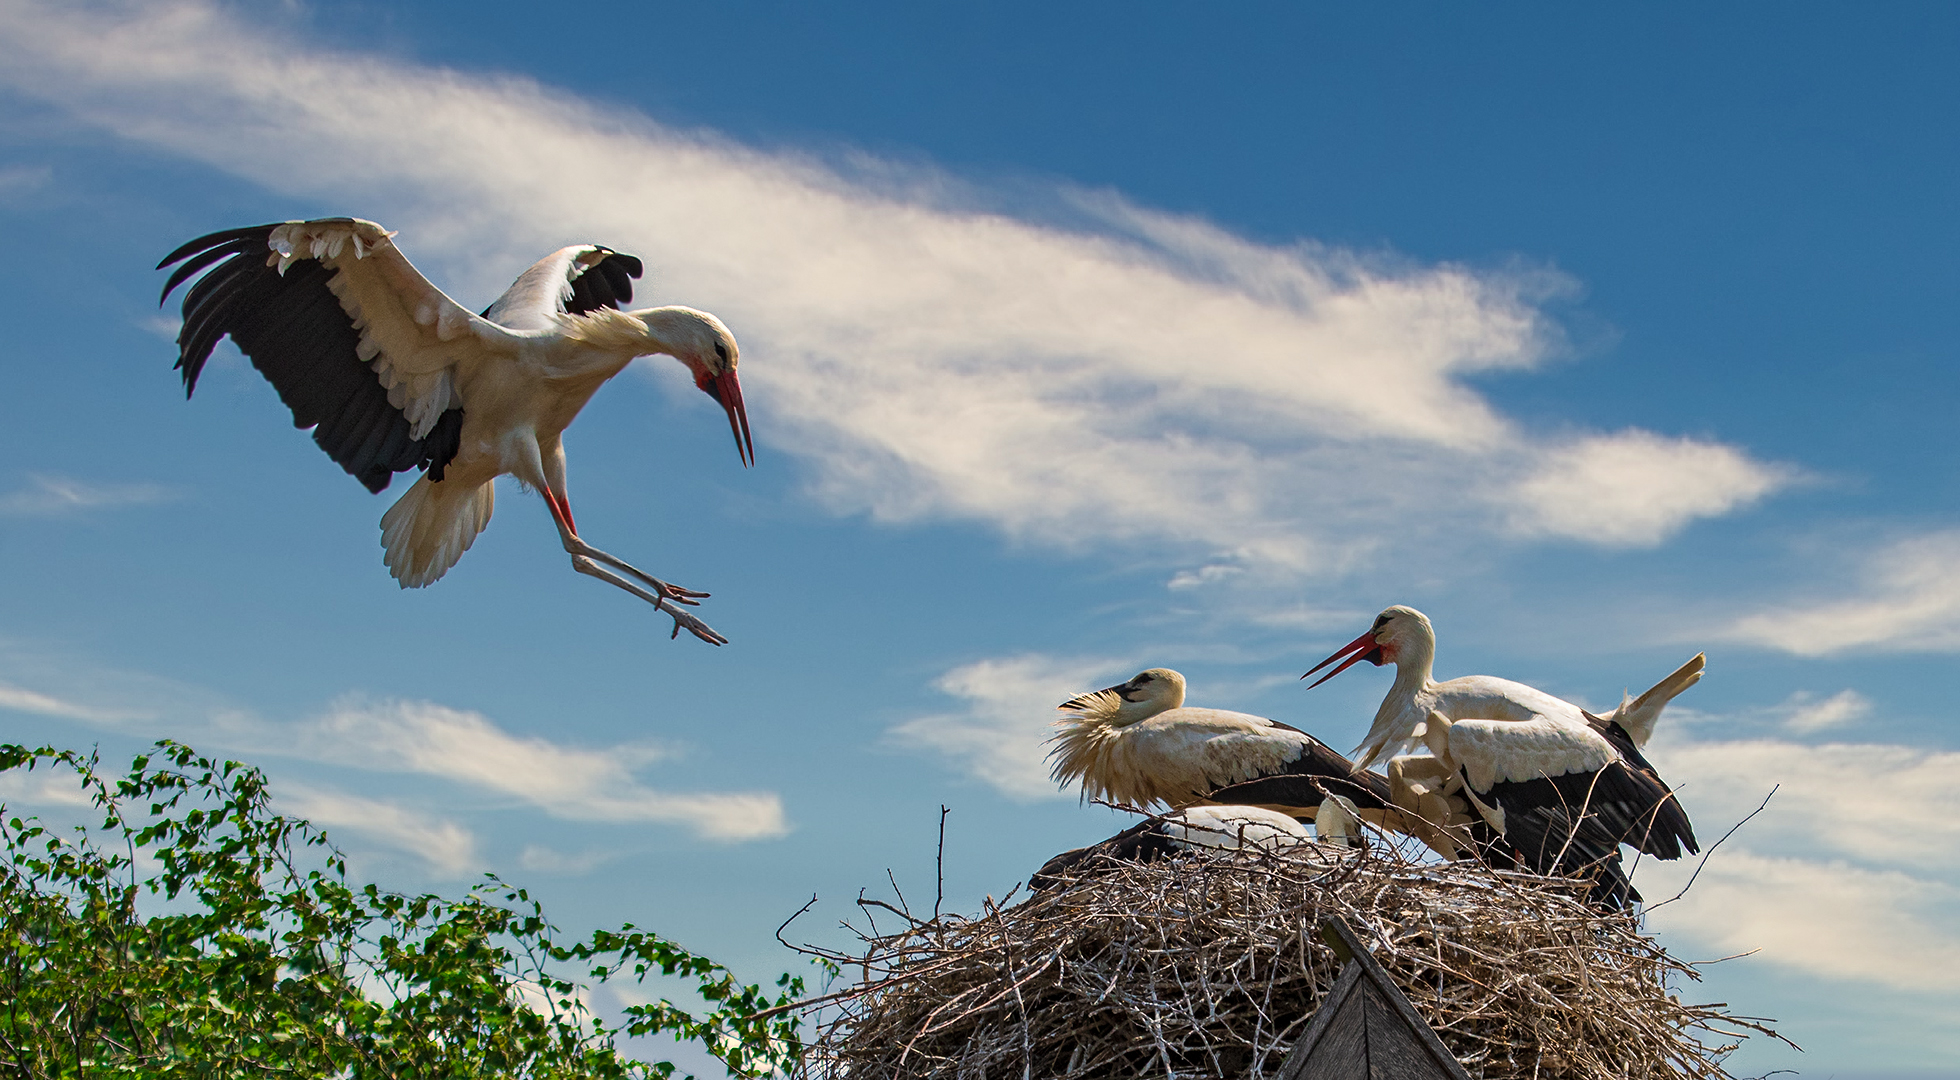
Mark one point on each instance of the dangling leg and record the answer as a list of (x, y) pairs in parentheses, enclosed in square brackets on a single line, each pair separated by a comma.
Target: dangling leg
[(586, 560)]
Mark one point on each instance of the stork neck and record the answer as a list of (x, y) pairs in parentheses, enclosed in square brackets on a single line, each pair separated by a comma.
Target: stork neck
[(1136, 712), (1414, 664)]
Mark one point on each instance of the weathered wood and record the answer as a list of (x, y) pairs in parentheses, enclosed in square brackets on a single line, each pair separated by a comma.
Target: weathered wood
[(1335, 1044), (1394, 1050), (1365, 1028)]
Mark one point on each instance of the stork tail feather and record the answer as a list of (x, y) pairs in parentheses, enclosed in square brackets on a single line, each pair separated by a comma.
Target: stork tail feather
[(430, 527)]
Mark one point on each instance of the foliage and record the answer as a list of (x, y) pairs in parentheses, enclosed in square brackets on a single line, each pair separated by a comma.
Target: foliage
[(198, 934)]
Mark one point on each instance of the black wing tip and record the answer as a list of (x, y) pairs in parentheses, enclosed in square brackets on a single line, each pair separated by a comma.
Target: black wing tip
[(210, 240), (633, 266)]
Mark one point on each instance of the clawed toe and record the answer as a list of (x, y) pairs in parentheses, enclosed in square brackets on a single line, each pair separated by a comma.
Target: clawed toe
[(684, 621)]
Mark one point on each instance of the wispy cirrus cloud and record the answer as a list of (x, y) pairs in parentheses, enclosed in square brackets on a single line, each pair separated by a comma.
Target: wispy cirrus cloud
[(1636, 488), (1000, 734), (419, 738), (1848, 871), (447, 847), (21, 699), (50, 496), (577, 784), (1907, 599), (1131, 378), (1806, 713)]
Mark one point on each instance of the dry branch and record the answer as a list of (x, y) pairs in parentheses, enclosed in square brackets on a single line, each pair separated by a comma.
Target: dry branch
[(1209, 965)]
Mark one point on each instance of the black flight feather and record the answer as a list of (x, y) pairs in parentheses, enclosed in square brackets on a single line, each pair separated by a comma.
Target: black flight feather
[(298, 336)]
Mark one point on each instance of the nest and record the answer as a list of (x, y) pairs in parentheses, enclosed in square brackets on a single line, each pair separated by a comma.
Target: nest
[(1209, 964)]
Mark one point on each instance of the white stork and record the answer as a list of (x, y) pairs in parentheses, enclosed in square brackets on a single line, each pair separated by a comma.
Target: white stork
[(1137, 744), (1214, 827), (393, 375), (1563, 787)]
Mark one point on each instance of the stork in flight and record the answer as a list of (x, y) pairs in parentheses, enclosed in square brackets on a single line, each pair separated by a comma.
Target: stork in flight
[(1563, 787), (1138, 744), (393, 375)]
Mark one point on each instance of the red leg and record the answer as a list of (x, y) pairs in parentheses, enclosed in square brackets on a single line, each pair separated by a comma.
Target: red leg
[(561, 511)]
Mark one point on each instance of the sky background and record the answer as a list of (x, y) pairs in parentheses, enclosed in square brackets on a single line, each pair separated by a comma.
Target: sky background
[(1077, 339)]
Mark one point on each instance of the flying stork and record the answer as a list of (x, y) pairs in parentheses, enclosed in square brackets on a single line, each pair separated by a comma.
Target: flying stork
[(1138, 744), (1216, 827), (393, 375), (1563, 787)]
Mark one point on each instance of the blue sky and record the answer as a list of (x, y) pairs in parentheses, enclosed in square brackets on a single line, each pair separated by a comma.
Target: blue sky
[(1077, 341)]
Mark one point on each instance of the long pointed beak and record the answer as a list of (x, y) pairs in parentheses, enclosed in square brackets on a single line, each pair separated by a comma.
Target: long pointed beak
[(1363, 648), (727, 392)]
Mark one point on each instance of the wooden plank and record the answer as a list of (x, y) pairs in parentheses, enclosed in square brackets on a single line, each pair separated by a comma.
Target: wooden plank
[(1342, 1054), (1444, 1063), (1394, 1052), (1295, 1065)]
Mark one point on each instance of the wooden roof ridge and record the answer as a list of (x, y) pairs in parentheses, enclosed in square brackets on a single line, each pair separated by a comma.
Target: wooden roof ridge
[(1366, 1028)]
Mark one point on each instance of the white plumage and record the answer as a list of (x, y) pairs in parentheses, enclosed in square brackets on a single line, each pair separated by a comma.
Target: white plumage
[(1137, 744), (1209, 827), (394, 375), (1564, 787)]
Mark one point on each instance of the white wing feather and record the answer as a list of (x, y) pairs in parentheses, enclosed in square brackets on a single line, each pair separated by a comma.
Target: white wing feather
[(1508, 750), (538, 297), (418, 339)]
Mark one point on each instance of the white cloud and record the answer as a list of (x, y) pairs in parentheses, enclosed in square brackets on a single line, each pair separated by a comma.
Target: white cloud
[(448, 848), (49, 496), (416, 737), (1635, 488), (21, 788), (576, 784), (1805, 713), (1886, 804), (1137, 379), (22, 699), (1829, 918), (1909, 601), (1847, 873), (19, 180), (536, 857), (1001, 736)]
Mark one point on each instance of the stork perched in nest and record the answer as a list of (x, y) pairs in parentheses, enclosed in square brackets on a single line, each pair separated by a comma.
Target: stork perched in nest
[(393, 375), (1192, 829), (1563, 787), (1137, 744)]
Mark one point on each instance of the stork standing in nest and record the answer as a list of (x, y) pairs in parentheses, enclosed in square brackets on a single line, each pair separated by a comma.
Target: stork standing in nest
[(1137, 744), (393, 375), (1196, 828), (1563, 787)]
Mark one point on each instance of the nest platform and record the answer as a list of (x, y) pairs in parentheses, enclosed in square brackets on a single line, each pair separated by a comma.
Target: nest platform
[(1208, 965)]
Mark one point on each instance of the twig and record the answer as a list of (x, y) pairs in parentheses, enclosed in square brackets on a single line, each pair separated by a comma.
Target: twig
[(940, 895), (1711, 850)]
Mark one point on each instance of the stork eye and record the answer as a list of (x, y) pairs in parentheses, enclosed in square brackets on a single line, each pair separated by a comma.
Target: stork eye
[(1381, 621), (721, 351)]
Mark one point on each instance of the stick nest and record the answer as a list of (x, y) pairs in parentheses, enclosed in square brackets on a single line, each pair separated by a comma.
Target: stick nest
[(1210, 964)]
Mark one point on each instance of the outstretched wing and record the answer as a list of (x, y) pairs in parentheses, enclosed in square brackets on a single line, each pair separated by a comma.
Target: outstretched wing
[(569, 281), (359, 345)]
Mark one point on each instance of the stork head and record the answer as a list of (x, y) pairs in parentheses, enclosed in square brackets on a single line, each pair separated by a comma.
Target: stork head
[(700, 341), (1398, 632), (1092, 727), (1146, 694)]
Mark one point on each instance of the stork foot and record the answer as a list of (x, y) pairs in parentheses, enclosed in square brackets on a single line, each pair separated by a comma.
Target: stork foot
[(686, 621), (579, 549), (683, 620)]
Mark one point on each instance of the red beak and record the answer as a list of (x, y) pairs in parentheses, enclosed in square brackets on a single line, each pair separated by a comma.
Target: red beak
[(727, 392), (1363, 648)]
